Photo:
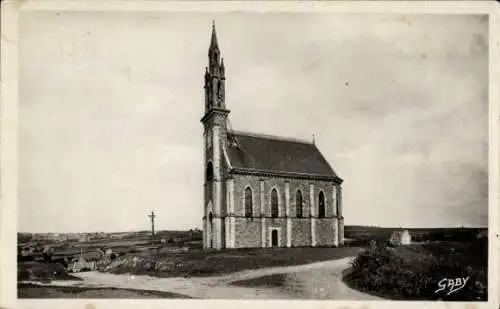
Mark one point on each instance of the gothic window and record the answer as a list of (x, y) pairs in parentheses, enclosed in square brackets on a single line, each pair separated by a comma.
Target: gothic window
[(209, 172), (321, 205), (274, 204), (298, 204), (248, 202)]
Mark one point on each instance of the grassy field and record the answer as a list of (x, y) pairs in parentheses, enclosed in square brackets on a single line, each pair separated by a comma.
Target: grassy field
[(413, 272), (362, 235), (209, 263), (112, 243), (37, 291)]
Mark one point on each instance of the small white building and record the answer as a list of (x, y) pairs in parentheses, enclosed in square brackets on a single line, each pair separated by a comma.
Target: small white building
[(400, 238)]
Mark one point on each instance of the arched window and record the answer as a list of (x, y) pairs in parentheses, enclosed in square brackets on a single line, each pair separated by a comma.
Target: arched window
[(274, 204), (321, 205), (298, 204), (248, 202), (210, 171)]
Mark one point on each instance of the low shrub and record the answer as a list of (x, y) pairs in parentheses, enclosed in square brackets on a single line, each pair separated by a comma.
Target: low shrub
[(413, 272), (44, 272)]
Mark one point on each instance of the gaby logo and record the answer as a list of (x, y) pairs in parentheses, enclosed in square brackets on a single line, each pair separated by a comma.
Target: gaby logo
[(451, 285)]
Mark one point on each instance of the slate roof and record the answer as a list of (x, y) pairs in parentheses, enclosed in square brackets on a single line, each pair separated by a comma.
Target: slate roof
[(248, 152)]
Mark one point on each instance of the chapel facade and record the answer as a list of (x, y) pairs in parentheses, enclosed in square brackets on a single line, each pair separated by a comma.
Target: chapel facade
[(259, 190)]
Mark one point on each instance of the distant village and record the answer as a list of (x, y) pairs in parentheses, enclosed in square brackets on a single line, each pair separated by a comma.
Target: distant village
[(84, 237), (80, 237), (85, 251)]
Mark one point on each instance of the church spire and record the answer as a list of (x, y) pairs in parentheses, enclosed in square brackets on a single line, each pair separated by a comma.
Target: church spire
[(213, 42), (214, 53), (214, 76)]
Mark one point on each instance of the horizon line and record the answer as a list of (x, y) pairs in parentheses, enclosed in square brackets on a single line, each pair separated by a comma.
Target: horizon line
[(347, 225)]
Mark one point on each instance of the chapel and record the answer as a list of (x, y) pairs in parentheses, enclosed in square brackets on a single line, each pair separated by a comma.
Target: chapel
[(262, 190)]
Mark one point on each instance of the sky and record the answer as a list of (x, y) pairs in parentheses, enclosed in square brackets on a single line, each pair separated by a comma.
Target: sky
[(110, 106)]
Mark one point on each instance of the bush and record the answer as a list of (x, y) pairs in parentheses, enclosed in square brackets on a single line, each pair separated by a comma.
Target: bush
[(36, 271), (413, 272)]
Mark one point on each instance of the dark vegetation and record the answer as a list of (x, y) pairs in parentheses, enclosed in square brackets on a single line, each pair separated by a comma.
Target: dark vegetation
[(37, 291), (42, 272), (413, 272), (45, 260), (197, 263), (409, 272)]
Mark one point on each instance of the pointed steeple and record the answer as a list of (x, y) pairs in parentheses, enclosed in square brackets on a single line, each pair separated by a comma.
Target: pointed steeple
[(214, 54), (214, 76), (213, 42)]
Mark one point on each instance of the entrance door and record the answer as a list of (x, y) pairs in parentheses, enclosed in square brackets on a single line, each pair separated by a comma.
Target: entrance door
[(210, 231), (274, 238)]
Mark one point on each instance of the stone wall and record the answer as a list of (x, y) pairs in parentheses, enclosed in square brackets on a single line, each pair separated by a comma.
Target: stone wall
[(278, 224), (248, 231), (325, 232), (270, 183), (301, 232)]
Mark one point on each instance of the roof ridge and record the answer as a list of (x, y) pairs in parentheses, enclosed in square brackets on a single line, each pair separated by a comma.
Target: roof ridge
[(275, 137)]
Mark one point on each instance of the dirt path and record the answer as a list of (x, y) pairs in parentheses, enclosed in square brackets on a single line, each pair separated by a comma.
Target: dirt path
[(322, 280)]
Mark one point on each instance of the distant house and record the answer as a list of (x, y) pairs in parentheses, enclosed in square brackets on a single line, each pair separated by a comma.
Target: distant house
[(400, 238), (85, 260), (81, 264), (93, 255), (83, 237), (119, 235)]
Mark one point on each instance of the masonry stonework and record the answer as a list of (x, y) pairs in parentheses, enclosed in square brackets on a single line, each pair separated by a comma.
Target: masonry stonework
[(242, 170), (248, 231), (301, 232), (325, 234)]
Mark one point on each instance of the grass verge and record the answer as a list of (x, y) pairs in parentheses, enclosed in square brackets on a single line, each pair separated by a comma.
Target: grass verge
[(209, 263), (37, 291)]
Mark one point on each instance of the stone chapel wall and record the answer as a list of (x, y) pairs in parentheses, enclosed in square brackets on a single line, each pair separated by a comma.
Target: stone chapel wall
[(249, 231)]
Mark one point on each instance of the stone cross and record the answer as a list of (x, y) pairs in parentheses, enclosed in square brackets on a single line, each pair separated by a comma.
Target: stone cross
[(152, 216)]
